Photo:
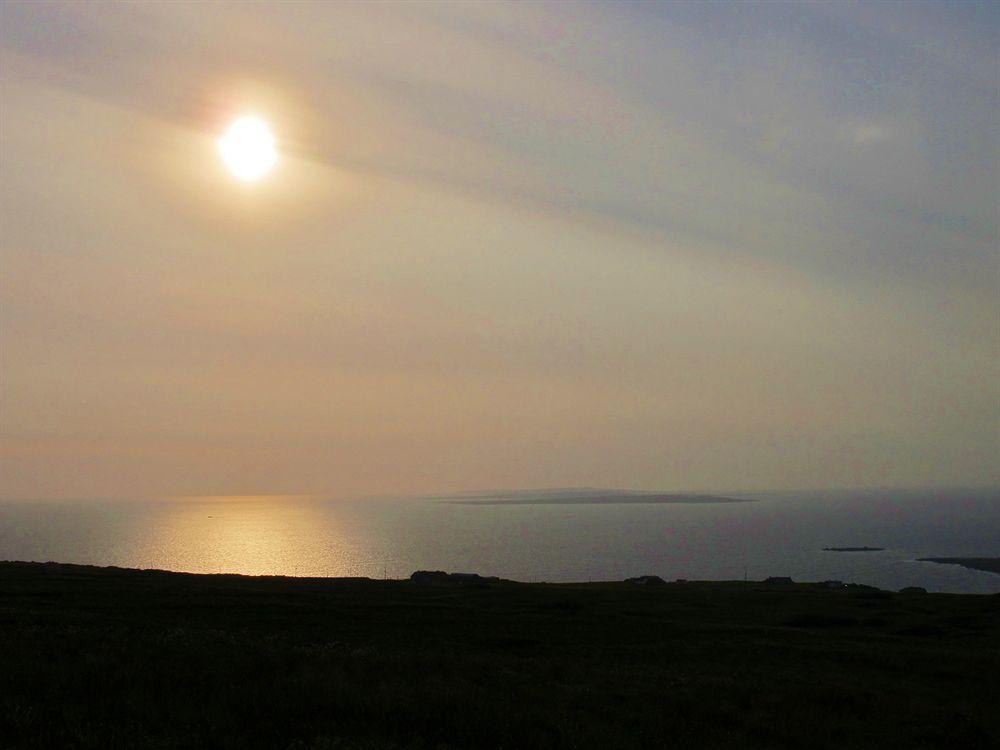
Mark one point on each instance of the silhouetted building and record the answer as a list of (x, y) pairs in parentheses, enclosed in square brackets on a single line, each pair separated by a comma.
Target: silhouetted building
[(439, 576), (429, 576), (646, 580)]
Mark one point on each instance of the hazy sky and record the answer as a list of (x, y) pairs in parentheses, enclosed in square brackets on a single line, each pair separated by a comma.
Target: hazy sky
[(655, 246)]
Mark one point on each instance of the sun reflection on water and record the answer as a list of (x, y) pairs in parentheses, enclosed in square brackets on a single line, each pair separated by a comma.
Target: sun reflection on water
[(252, 535)]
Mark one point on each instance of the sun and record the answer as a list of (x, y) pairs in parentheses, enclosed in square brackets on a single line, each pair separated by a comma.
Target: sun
[(247, 148)]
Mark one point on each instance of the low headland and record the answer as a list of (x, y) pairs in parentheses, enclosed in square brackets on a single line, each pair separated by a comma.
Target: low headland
[(989, 564), (587, 497), (854, 549), (109, 657)]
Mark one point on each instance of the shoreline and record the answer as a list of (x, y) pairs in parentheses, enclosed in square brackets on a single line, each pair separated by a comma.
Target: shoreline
[(459, 579), (987, 564)]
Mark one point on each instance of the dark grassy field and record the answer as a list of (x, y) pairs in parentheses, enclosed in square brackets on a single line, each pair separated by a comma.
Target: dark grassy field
[(111, 658)]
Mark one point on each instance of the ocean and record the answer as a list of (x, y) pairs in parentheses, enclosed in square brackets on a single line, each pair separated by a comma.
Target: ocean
[(778, 534)]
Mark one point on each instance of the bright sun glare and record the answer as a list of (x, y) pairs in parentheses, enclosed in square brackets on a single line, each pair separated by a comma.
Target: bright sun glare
[(247, 148)]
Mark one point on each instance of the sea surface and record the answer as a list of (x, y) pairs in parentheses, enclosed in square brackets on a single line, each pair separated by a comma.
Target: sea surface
[(779, 534)]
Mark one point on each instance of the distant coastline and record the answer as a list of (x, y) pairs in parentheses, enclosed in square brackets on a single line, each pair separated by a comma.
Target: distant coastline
[(590, 497), (989, 564), (854, 549), (647, 500)]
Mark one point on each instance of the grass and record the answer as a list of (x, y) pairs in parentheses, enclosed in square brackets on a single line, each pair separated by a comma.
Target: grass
[(113, 658)]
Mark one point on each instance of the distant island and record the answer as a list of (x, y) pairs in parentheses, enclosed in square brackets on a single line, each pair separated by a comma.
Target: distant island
[(854, 549), (989, 564), (587, 497)]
